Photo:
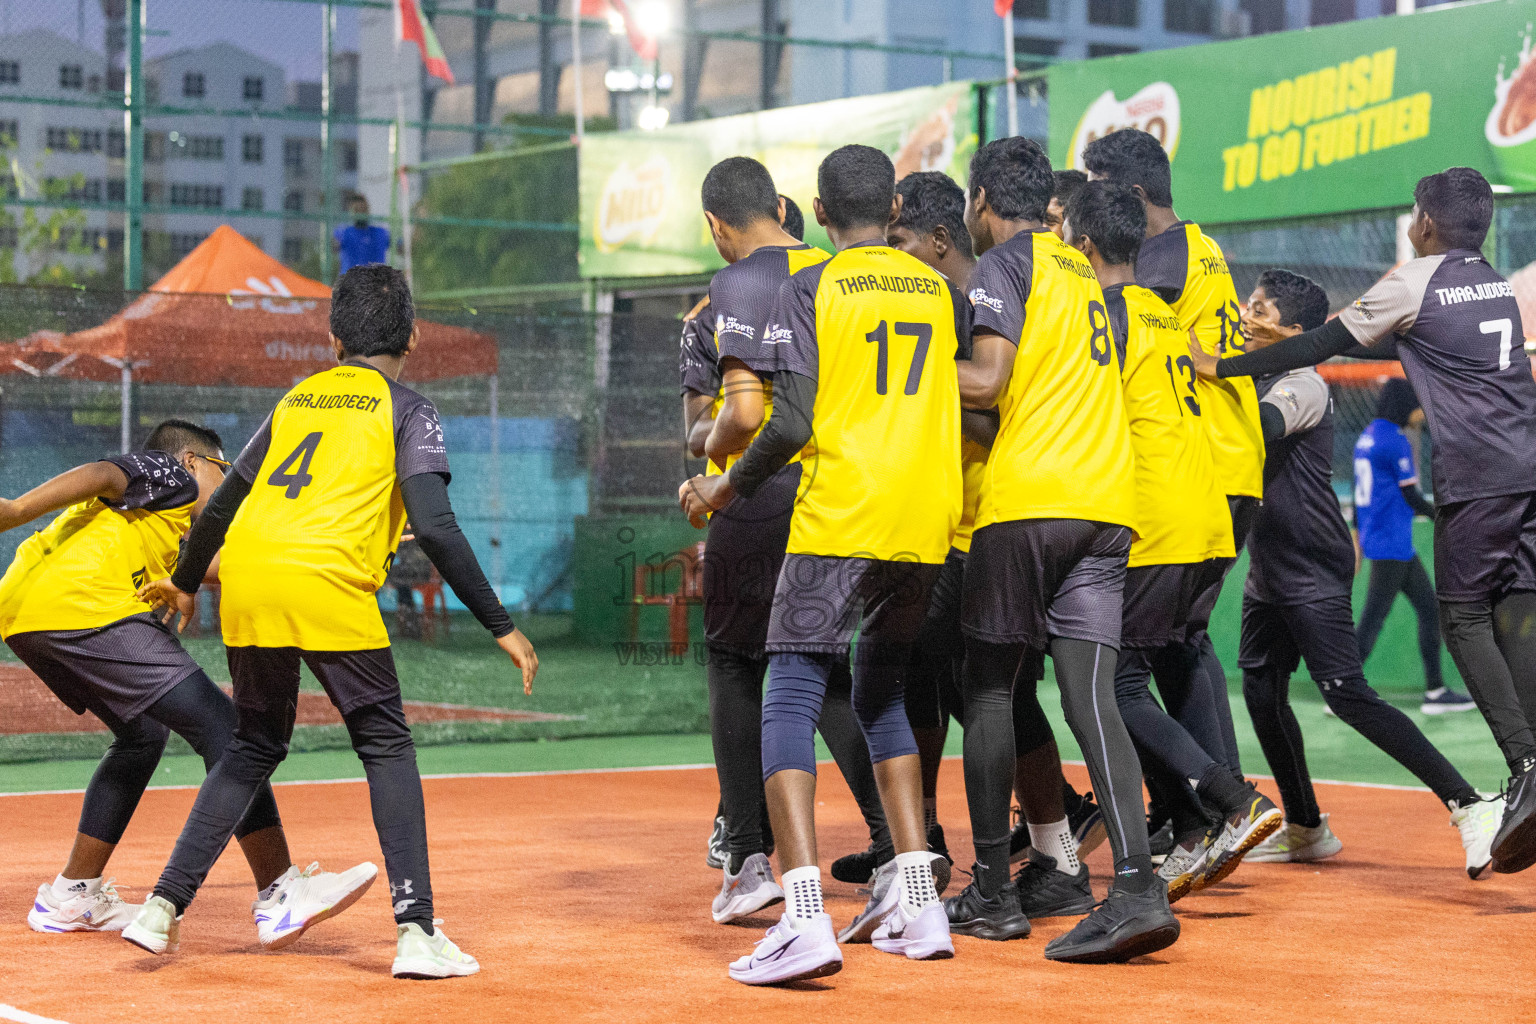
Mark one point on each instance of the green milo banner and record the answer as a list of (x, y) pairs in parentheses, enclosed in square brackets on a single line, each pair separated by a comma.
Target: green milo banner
[(1346, 117), (640, 214)]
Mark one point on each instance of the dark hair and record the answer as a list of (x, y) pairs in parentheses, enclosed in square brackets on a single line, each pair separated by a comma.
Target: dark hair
[(1112, 216), (1460, 202), (794, 220), (740, 191), (1132, 157), (1396, 401), (1017, 176), (177, 435), (371, 311), (1300, 300), (1067, 183), (931, 198), (857, 185)]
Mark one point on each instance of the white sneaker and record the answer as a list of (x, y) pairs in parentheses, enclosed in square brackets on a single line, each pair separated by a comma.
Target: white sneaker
[(791, 951), (299, 900), (1293, 844), (883, 894), (157, 927), (1184, 867), (419, 955), (89, 906), (920, 936), (1477, 823), (748, 891)]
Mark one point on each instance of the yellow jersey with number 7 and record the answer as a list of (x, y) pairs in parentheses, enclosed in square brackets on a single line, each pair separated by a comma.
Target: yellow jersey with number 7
[(315, 537)]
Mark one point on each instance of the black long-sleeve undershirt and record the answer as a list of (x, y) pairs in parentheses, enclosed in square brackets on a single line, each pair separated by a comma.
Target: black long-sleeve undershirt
[(787, 431), (207, 534), (1416, 501), (1305, 349)]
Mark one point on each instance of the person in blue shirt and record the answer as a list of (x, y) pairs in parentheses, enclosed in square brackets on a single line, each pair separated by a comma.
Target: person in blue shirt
[(1387, 497), (360, 242)]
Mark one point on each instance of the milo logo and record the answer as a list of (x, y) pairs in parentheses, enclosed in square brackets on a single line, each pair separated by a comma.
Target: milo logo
[(632, 204), (1154, 109)]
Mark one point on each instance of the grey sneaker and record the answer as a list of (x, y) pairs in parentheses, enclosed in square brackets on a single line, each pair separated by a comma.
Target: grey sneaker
[(746, 892), (1184, 868), (884, 894)]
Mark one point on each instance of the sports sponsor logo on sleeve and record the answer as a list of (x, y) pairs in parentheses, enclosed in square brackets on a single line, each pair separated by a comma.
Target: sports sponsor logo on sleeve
[(730, 325), (979, 297), (1360, 307), (778, 334)]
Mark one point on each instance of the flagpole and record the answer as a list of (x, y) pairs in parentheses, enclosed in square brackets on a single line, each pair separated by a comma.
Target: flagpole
[(576, 68), (1011, 73)]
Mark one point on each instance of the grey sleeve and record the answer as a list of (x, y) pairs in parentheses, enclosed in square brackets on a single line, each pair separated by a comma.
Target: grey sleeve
[(1302, 399), (1392, 304)]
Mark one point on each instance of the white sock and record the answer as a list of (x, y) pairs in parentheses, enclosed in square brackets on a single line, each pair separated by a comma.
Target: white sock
[(930, 812), (1055, 840), (62, 885), (802, 893), (917, 889)]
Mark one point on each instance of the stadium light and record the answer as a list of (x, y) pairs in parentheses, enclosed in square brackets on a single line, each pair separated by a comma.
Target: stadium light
[(653, 117), (653, 18), (615, 22)]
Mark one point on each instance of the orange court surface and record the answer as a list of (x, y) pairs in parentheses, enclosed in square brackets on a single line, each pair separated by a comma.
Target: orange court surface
[(586, 898)]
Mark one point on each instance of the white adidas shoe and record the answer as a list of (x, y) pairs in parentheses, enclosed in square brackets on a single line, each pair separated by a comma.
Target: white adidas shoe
[(419, 955), (920, 936), (746, 892), (1293, 844), (1477, 823), (88, 906), (791, 951), (299, 900)]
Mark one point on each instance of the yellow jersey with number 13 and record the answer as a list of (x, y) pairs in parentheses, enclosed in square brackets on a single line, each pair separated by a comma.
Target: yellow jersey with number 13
[(1063, 448), (315, 537), (877, 330)]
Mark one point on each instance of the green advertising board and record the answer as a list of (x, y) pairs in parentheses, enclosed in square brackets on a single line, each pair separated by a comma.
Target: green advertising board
[(640, 214), (1346, 117)]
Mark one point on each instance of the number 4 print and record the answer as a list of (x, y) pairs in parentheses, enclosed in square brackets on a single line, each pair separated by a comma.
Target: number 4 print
[(299, 479), (1505, 329)]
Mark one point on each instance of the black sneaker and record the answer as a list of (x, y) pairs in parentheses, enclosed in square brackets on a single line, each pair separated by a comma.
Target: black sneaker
[(1122, 927), (859, 868), (1161, 841), (1046, 892), (1087, 823), (998, 919), (1514, 845), (942, 861)]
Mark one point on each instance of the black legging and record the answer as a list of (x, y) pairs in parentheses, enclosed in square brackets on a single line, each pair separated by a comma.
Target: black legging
[(1390, 577), (195, 710), (1494, 646)]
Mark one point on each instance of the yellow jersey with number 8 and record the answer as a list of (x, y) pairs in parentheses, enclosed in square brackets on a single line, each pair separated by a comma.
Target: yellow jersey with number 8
[(315, 537), (877, 330)]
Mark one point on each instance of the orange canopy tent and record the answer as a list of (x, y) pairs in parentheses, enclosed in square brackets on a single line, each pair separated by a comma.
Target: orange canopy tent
[(229, 314)]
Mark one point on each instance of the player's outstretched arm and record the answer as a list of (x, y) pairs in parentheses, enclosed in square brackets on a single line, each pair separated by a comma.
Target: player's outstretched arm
[(437, 531), (1305, 349), (93, 480)]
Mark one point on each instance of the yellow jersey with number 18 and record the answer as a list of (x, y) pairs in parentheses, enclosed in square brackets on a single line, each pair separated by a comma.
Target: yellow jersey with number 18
[(876, 329), (315, 537), (1181, 511), (1186, 269), (1063, 448)]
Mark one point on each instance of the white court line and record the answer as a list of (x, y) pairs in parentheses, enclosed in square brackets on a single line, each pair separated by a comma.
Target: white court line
[(638, 768), (23, 1017)]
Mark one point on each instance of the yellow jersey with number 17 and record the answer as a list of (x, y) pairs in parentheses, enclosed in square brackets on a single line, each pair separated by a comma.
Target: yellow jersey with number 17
[(315, 537), (1063, 448), (1181, 512), (1186, 269), (876, 329)]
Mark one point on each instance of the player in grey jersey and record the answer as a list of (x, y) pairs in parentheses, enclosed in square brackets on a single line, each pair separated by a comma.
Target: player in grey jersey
[(1454, 323)]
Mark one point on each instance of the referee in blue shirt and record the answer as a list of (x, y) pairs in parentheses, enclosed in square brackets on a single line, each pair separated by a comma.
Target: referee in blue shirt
[(1387, 497), (360, 242)]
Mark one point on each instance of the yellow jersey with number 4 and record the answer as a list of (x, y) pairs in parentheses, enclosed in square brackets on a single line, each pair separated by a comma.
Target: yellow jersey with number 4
[(1186, 269), (1181, 512), (1063, 448), (878, 331), (315, 537)]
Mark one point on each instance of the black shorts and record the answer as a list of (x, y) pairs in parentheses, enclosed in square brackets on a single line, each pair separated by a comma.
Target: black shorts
[(1485, 548), (742, 556), (1030, 580), (1158, 599), (822, 601), (1212, 573), (352, 679), (1244, 510), (933, 683), (126, 666), (1279, 636)]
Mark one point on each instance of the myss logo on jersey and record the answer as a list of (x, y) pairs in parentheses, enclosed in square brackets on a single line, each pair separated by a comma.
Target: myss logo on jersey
[(979, 297), (730, 325), (778, 334)]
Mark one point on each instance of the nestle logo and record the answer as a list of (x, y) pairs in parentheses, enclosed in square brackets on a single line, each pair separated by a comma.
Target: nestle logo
[(779, 335), (730, 325), (979, 297)]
